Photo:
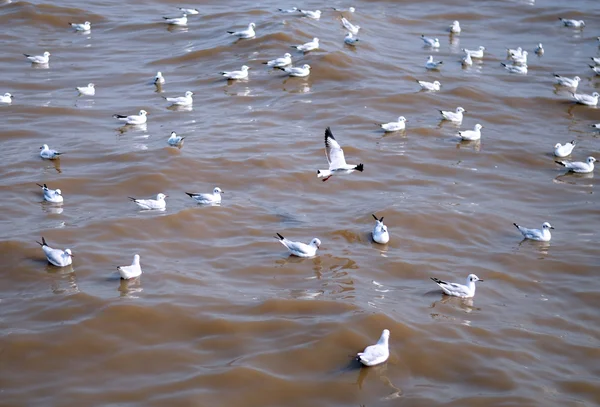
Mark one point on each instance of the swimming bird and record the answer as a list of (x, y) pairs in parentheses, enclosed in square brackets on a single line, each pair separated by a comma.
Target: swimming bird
[(459, 290), (214, 198), (395, 126), (315, 15), (285, 60), (189, 11), (335, 158), (175, 140), (596, 60), (453, 116), (568, 82), (378, 353), (431, 64), (477, 53), (133, 271), (380, 232), (182, 100), (349, 26), (589, 100), (564, 150), (148, 204), (180, 21), (247, 33), (51, 195), (56, 257), (133, 119), (596, 69), (431, 42), (87, 26), (309, 46), (48, 153), (572, 23), (159, 79), (291, 10), (341, 10), (520, 59), (350, 40), (300, 249), (542, 235), (455, 28), (6, 98), (467, 60), (471, 135), (578, 166), (298, 71), (241, 74), (521, 69), (430, 86), (88, 90), (39, 59), (539, 49)]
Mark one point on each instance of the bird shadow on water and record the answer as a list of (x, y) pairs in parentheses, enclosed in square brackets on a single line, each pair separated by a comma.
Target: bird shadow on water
[(571, 178), (129, 288), (132, 127), (62, 279), (380, 371), (541, 247), (464, 304)]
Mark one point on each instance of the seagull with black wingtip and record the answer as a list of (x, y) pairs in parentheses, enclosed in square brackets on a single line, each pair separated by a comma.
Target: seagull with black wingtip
[(336, 159)]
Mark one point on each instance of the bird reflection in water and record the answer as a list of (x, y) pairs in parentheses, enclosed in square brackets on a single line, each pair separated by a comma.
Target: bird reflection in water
[(129, 288), (380, 371)]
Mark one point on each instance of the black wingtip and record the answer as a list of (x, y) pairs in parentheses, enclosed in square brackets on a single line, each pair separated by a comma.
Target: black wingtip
[(375, 217), (437, 280), (279, 236), (328, 133), (561, 163), (231, 32), (517, 226), (360, 167), (133, 199), (573, 142), (189, 194), (318, 172), (43, 242)]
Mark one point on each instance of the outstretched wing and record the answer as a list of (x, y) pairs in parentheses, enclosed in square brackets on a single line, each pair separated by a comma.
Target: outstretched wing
[(333, 151)]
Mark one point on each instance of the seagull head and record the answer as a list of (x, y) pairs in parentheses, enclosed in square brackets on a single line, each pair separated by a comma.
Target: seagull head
[(456, 23), (159, 74), (430, 59), (44, 147), (577, 79), (437, 83), (8, 95), (352, 9), (315, 39), (68, 251), (596, 94), (143, 112), (91, 85), (590, 160), (402, 119), (87, 23), (136, 259), (315, 242), (173, 134), (245, 67), (473, 278), (385, 336), (58, 192), (306, 66), (161, 197), (460, 110), (287, 55), (188, 94), (217, 191), (547, 225), (251, 25), (482, 48), (478, 127), (46, 54)]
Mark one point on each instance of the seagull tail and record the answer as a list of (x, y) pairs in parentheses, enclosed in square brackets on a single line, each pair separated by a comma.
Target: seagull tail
[(359, 167), (190, 194), (231, 32), (27, 55), (436, 280), (561, 163), (41, 186), (133, 199), (573, 143), (279, 237), (43, 242)]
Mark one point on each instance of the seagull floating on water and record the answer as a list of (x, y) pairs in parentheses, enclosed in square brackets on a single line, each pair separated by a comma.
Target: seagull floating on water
[(568, 82), (247, 33), (455, 28), (350, 40), (431, 64), (578, 166), (341, 10), (182, 100), (453, 116), (466, 60), (564, 150), (133, 119), (88, 90), (539, 49), (300, 249), (298, 71), (475, 53), (378, 353), (48, 153), (87, 26), (214, 198), (51, 195), (6, 98), (471, 135), (542, 235), (189, 11), (39, 59), (315, 15), (180, 21), (349, 26), (309, 46), (148, 204), (521, 69), (56, 257), (395, 126), (589, 100), (380, 232), (335, 158), (291, 10), (430, 86), (175, 140), (572, 23), (133, 271), (241, 74), (159, 79), (431, 42), (459, 290), (285, 60)]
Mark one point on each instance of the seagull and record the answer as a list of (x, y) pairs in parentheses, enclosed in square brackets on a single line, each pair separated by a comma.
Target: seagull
[(6, 98), (300, 72), (241, 74), (478, 53), (285, 60), (56, 257), (510, 52), (180, 21), (341, 10), (349, 26), (471, 135), (182, 100), (596, 69), (315, 15), (395, 126), (88, 90), (564, 150), (522, 69), (520, 59), (431, 42), (189, 11), (300, 249), (455, 28), (466, 60), (214, 198), (431, 64), (536, 234), (539, 49), (572, 23), (596, 126), (133, 119), (350, 40), (175, 140), (453, 116), (39, 59), (335, 158), (247, 33), (133, 271), (309, 46), (159, 79), (459, 290), (87, 26), (47, 153), (51, 195), (589, 100), (148, 204), (376, 354), (380, 233), (430, 86), (568, 82), (292, 10), (578, 166), (596, 60)]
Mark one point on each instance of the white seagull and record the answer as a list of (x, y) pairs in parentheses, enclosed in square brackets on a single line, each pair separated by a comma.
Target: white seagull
[(431, 42), (87, 26), (48, 153), (589, 100), (380, 232), (133, 271), (148, 204), (430, 86), (455, 27), (350, 39), (186, 100), (300, 249), (6, 98), (309, 46), (467, 60), (395, 126), (335, 158), (51, 195), (133, 119), (471, 135), (298, 71), (564, 150), (214, 198), (475, 53), (542, 235), (568, 82), (453, 116), (459, 290), (241, 74), (247, 33), (521, 69), (431, 64), (291, 10), (315, 15), (376, 354), (189, 11), (285, 60), (56, 257), (539, 49), (159, 79), (180, 21), (349, 26), (39, 59), (88, 90), (572, 23), (578, 166), (175, 140), (341, 10)]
